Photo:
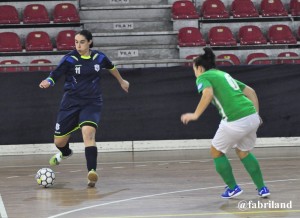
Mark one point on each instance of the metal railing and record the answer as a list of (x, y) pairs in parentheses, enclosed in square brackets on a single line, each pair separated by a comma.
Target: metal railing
[(146, 63), (121, 63), (273, 59)]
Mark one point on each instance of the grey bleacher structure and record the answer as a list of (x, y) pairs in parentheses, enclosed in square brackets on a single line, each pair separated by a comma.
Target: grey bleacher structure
[(134, 30), (131, 29), (137, 30)]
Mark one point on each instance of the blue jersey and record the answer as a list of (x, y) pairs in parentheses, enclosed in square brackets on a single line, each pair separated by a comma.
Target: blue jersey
[(82, 74)]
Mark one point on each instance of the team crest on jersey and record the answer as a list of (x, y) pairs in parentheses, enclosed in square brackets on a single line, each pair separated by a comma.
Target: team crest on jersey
[(97, 67)]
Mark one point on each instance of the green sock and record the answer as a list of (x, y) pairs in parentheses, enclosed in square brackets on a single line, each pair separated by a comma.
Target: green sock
[(252, 166), (224, 168)]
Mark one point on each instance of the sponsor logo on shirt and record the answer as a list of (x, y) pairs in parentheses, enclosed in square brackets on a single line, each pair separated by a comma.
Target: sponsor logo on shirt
[(200, 86)]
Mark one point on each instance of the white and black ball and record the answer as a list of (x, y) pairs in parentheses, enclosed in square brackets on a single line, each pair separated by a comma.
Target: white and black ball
[(45, 177)]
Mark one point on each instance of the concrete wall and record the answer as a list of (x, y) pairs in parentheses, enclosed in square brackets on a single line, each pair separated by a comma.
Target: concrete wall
[(131, 30), (141, 52), (146, 13), (128, 25)]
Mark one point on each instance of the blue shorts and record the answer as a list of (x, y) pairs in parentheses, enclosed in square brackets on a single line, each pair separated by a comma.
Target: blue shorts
[(75, 113)]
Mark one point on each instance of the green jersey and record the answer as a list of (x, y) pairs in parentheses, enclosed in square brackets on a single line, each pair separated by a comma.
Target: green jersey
[(228, 94)]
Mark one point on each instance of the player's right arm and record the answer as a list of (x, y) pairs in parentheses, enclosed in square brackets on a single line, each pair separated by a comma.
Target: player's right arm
[(44, 84), (207, 96), (54, 75)]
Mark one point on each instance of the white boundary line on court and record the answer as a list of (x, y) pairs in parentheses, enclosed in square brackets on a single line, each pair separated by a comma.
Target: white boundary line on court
[(3, 213), (153, 145), (154, 195), (158, 162)]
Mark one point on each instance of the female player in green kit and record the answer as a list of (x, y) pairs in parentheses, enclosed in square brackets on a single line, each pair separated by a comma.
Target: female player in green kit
[(238, 106)]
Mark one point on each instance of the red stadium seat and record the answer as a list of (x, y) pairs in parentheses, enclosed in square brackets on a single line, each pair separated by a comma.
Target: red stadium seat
[(65, 13), (65, 40), (250, 58), (233, 58), (190, 36), (272, 8), (38, 41), (295, 7), (10, 69), (289, 55), (281, 34), (221, 36), (214, 9), (10, 42), (184, 10), (243, 8), (190, 57), (9, 15), (35, 13), (40, 68), (251, 35)]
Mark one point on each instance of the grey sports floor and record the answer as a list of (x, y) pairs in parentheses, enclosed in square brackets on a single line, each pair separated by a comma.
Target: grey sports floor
[(156, 184)]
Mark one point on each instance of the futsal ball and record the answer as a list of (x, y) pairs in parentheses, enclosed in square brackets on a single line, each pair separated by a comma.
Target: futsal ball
[(45, 177)]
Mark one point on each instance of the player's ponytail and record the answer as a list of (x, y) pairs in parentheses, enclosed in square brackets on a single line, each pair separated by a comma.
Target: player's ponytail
[(206, 60)]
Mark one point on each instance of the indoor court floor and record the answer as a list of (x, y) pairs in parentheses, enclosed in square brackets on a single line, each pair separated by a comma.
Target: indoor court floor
[(152, 184)]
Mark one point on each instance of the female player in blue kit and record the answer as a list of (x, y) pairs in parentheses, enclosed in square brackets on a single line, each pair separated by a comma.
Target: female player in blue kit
[(81, 104)]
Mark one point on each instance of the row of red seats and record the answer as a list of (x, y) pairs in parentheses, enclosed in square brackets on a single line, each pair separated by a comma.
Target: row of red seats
[(37, 13), (247, 35), (211, 9), (255, 58), (7, 68), (37, 41), (187, 37), (291, 58)]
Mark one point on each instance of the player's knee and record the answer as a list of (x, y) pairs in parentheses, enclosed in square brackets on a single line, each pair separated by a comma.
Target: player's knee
[(241, 154), (88, 137), (88, 133), (60, 142), (214, 153)]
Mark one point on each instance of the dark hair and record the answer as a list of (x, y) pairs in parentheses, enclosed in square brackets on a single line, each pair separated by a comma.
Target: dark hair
[(88, 35), (206, 60)]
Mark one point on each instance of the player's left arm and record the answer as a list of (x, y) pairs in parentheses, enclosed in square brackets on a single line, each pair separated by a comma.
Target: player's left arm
[(107, 64), (123, 83), (207, 96), (251, 94)]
